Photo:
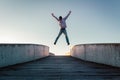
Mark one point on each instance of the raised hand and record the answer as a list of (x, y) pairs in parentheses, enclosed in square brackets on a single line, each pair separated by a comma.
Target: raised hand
[(52, 14)]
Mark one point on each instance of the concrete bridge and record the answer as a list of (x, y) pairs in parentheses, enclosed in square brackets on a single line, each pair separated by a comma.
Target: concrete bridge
[(32, 62)]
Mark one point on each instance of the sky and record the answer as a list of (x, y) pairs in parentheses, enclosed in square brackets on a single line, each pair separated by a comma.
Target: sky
[(30, 21)]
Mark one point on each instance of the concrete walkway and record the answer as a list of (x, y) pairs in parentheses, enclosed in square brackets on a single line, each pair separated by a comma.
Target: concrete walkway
[(59, 68)]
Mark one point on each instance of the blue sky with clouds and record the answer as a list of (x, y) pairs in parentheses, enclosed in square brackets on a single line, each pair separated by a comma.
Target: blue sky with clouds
[(30, 21)]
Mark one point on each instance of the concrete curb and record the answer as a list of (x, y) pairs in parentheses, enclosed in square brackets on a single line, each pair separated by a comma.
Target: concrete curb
[(100, 53), (11, 54)]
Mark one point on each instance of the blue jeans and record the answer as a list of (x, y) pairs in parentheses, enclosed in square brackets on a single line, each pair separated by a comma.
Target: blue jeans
[(63, 30)]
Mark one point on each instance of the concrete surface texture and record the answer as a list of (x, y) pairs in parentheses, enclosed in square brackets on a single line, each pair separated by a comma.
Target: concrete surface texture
[(11, 54), (100, 53), (59, 68)]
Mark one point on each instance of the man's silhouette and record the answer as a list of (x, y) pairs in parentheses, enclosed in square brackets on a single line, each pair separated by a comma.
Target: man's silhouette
[(62, 23)]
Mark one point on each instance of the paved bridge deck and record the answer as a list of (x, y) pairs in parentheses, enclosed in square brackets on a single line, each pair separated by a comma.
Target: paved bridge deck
[(59, 68)]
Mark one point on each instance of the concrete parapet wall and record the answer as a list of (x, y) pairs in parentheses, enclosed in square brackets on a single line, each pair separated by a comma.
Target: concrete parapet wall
[(100, 53), (11, 54)]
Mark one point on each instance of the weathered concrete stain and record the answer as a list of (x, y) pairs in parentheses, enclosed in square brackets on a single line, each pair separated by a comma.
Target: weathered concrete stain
[(100, 53), (18, 53)]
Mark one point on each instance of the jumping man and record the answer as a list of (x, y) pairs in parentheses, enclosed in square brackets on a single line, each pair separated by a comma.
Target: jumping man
[(63, 26)]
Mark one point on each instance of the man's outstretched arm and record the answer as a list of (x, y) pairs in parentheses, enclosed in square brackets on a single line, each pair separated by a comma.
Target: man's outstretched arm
[(68, 15), (55, 17)]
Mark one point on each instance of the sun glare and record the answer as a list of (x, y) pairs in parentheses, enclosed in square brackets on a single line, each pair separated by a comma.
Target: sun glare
[(61, 51), (6, 39), (65, 54)]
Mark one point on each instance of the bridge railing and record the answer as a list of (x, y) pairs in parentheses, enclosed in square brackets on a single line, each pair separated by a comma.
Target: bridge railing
[(100, 53), (11, 54)]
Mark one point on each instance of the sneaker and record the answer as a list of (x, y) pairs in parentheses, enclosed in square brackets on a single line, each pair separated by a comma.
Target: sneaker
[(68, 43), (54, 43)]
